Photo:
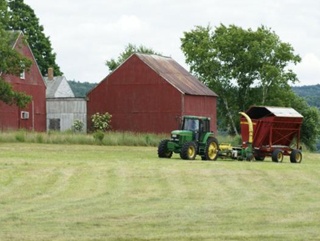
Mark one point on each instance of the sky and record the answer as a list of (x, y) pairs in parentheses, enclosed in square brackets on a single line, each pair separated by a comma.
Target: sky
[(85, 34)]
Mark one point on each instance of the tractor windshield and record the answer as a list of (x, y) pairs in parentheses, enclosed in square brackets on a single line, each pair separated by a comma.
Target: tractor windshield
[(190, 125)]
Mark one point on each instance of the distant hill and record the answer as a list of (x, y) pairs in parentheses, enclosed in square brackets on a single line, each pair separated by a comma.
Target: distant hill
[(311, 93), (80, 89)]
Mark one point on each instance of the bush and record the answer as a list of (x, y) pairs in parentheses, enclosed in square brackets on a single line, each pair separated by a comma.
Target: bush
[(101, 121), (77, 126)]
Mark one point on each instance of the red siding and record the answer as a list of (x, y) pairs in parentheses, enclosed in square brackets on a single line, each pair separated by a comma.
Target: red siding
[(140, 100), (32, 85), (202, 106)]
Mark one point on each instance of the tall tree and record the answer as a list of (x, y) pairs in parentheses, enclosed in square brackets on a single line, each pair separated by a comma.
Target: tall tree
[(244, 67), (129, 50), (3, 13), (22, 17), (310, 129), (11, 62)]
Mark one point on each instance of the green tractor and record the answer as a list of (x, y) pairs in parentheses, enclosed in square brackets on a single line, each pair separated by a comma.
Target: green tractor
[(194, 138)]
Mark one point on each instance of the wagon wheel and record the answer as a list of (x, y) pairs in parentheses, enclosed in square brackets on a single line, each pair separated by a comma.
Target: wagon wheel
[(212, 149), (296, 156), (163, 151), (188, 151), (277, 155), (259, 156)]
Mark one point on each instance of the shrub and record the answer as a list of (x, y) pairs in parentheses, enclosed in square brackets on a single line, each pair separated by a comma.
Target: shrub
[(101, 121), (77, 126)]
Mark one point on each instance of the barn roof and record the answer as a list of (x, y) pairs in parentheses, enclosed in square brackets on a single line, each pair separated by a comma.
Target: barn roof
[(176, 75)]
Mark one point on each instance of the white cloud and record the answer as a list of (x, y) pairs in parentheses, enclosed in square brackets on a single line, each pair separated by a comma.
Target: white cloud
[(308, 70), (84, 34), (130, 24)]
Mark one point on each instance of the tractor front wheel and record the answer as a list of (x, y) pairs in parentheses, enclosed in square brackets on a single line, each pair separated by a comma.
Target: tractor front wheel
[(277, 155), (163, 151), (212, 149), (188, 151)]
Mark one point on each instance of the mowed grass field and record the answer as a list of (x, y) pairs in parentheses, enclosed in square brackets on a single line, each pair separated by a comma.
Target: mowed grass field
[(87, 192)]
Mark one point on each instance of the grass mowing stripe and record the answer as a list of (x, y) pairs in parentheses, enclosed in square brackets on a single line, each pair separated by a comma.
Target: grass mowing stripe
[(79, 192)]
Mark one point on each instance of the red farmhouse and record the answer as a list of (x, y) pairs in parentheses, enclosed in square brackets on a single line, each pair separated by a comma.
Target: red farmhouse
[(150, 93), (33, 117)]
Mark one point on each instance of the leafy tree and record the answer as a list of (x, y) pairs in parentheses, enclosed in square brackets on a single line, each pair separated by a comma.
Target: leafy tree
[(244, 67), (310, 129), (11, 63), (3, 13), (129, 50), (22, 17)]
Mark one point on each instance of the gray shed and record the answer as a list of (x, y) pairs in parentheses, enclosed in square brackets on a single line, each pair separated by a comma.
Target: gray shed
[(63, 109), (63, 112)]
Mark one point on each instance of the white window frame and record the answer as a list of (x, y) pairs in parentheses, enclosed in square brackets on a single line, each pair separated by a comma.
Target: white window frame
[(23, 75)]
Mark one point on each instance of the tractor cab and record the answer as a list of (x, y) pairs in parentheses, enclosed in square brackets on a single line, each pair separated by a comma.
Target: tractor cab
[(193, 137), (194, 127)]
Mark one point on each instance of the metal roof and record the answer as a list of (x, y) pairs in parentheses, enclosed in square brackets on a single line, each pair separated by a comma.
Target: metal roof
[(284, 112), (58, 87), (256, 112), (176, 75)]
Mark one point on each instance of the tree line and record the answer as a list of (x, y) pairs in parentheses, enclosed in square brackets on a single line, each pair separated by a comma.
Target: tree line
[(311, 93)]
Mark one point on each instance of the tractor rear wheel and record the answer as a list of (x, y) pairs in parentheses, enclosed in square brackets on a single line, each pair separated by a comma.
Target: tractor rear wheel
[(277, 155), (296, 156), (163, 151), (212, 149), (188, 151)]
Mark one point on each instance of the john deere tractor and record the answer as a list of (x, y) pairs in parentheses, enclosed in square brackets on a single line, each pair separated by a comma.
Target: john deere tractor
[(193, 138)]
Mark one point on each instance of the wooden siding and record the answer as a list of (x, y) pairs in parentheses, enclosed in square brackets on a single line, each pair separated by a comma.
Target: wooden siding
[(67, 111), (205, 106), (33, 85), (141, 100)]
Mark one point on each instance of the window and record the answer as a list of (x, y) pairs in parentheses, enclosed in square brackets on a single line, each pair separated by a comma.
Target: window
[(23, 71), (191, 124), (23, 74), (54, 124)]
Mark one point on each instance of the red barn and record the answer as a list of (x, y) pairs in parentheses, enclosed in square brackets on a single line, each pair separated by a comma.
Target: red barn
[(33, 116), (150, 93)]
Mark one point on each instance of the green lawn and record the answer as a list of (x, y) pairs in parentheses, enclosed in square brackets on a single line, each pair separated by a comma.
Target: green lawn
[(87, 192)]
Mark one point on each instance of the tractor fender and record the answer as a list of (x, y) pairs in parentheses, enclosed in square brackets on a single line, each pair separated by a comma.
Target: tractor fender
[(207, 136)]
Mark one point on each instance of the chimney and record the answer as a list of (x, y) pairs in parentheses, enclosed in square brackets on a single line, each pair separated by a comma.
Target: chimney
[(50, 73)]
